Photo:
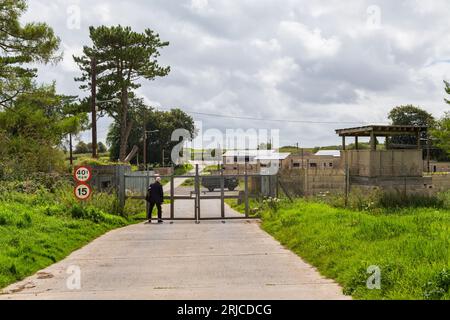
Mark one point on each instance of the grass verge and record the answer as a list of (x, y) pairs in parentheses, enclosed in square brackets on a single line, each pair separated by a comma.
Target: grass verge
[(410, 246), (40, 228)]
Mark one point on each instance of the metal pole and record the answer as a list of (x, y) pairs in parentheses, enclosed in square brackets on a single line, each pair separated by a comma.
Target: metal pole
[(246, 191), (172, 194), (222, 194), (197, 195), (246, 195)]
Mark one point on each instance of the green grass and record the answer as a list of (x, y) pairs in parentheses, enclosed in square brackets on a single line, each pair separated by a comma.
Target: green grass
[(41, 228), (410, 245)]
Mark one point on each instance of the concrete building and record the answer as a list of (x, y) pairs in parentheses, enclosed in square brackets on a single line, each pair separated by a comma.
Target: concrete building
[(390, 169), (252, 160), (323, 159)]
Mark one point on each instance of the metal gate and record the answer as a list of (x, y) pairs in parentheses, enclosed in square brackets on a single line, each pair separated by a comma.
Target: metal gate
[(204, 199)]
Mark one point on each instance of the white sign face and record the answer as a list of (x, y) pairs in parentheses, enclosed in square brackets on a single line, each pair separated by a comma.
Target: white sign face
[(83, 191), (82, 174)]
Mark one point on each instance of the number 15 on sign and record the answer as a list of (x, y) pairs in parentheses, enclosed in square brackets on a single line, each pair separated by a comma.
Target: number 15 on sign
[(83, 191)]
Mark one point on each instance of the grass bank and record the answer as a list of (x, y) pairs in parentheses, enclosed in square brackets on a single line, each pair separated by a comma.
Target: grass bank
[(411, 246), (39, 227)]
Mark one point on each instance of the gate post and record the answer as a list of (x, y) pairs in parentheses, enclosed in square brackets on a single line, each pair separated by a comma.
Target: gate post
[(222, 194), (172, 200), (246, 194), (197, 195), (120, 176)]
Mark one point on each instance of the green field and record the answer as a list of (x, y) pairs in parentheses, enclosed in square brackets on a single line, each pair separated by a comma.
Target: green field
[(411, 247), (39, 228)]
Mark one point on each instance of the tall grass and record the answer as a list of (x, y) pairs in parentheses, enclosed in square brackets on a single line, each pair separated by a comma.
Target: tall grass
[(41, 224), (411, 246)]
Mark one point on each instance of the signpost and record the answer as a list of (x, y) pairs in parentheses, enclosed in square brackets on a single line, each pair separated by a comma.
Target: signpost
[(82, 175)]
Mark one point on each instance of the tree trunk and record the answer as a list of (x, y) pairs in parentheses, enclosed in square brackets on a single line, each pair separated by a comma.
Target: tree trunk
[(124, 126), (70, 149)]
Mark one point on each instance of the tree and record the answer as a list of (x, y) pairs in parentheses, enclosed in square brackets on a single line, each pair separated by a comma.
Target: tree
[(441, 133), (34, 127), (123, 57), (20, 45), (81, 148), (411, 116), (102, 148), (158, 142)]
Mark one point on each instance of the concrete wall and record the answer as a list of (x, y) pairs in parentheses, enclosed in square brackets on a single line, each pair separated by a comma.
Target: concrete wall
[(313, 182), (384, 163), (441, 182)]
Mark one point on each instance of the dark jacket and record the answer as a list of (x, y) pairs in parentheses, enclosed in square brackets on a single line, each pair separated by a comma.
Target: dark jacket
[(155, 193)]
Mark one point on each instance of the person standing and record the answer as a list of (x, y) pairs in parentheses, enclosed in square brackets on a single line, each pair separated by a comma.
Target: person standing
[(155, 196)]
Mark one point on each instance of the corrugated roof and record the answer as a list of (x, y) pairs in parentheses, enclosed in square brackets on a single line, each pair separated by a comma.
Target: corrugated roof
[(329, 153), (273, 156), (248, 153)]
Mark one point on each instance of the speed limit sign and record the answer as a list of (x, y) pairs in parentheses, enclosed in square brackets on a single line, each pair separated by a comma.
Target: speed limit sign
[(82, 174), (83, 191)]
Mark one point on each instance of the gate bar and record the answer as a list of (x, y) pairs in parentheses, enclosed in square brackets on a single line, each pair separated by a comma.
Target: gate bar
[(172, 193), (222, 194)]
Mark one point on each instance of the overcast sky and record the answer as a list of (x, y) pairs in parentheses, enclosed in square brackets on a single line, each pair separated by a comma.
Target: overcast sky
[(330, 61)]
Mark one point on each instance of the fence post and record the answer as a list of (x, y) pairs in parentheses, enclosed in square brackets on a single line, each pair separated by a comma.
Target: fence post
[(246, 195), (307, 178), (347, 183), (222, 194), (197, 195), (120, 172), (172, 194)]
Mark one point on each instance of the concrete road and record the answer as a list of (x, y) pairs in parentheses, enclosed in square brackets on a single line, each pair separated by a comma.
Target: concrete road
[(183, 260)]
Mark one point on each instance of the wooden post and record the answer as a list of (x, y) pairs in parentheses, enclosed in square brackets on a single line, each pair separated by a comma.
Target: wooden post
[(70, 149), (120, 179), (145, 139), (419, 146), (343, 143), (428, 153), (306, 178), (93, 106), (373, 141), (356, 143)]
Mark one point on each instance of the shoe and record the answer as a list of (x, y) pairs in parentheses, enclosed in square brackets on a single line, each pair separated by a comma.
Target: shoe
[(160, 221)]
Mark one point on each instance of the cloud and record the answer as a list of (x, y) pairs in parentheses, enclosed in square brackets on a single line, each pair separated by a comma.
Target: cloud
[(275, 59)]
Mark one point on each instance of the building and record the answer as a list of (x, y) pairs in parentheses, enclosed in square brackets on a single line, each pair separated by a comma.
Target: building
[(323, 159), (390, 169), (437, 167), (238, 161)]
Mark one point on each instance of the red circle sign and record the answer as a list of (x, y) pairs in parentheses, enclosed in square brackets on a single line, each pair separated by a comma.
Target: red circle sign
[(82, 174), (82, 191)]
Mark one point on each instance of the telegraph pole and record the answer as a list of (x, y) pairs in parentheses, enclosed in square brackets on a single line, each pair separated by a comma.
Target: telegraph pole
[(145, 139), (93, 106)]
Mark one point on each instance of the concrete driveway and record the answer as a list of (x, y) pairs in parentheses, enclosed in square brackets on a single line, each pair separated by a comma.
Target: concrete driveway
[(183, 260)]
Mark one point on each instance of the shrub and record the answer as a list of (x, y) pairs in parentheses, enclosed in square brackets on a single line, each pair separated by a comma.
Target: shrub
[(438, 286)]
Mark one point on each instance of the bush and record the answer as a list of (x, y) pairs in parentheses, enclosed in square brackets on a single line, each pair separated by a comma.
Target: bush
[(438, 286)]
